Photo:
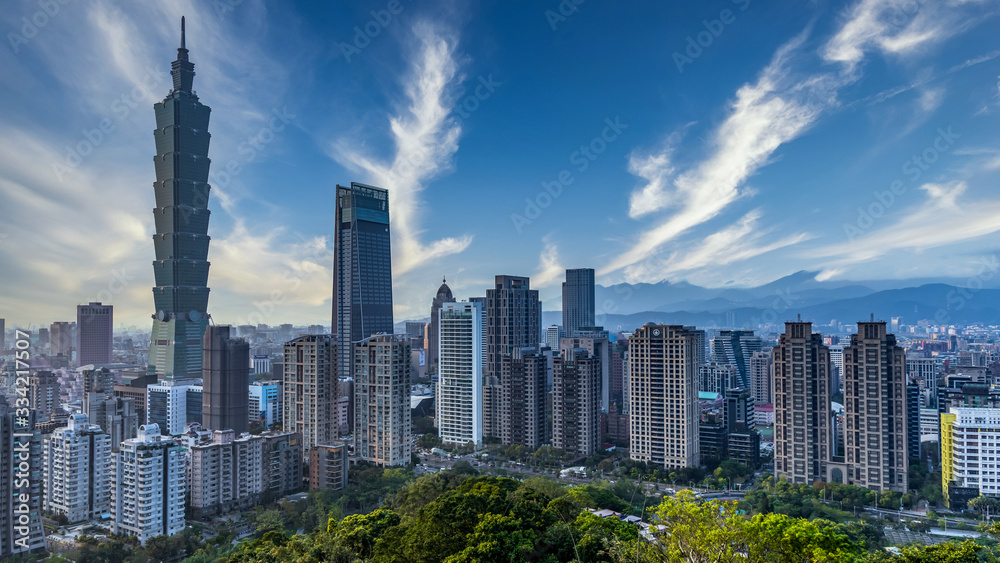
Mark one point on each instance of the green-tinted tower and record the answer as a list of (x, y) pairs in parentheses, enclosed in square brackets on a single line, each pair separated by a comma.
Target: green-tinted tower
[(181, 239)]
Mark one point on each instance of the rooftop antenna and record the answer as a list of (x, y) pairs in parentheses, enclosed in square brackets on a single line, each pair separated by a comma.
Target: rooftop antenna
[(800, 317), (873, 317), (182, 33)]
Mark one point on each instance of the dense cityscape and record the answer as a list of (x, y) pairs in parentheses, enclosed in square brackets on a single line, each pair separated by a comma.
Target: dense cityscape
[(487, 429)]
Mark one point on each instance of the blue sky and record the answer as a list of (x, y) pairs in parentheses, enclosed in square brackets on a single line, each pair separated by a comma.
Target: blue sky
[(719, 142)]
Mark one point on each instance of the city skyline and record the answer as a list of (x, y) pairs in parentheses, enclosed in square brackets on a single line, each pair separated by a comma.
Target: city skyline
[(769, 151)]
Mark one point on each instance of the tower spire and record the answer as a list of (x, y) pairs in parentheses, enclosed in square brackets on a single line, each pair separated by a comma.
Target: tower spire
[(182, 33), (182, 69)]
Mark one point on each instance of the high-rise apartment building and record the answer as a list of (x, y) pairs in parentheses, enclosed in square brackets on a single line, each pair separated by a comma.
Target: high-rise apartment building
[(382, 418), (459, 401), (597, 342), (225, 474), (802, 414), (117, 417), (43, 393), (736, 347), (172, 404), (281, 455), (94, 334), (761, 377), (181, 215), (875, 409), (310, 389), (77, 467), (578, 300), (523, 374), (225, 380), (741, 421), (714, 377), (924, 371), (443, 296), (970, 455), (663, 395), (362, 269), (21, 529), (513, 322), (328, 467), (61, 338), (576, 402), (150, 486)]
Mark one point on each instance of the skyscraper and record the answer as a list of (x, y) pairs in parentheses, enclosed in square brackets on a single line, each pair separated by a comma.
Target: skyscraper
[(310, 389), (578, 300), (576, 402), (522, 398), (77, 463), (761, 378), (148, 497), (663, 395), (802, 415), (459, 401), (513, 322), (443, 296), (61, 339), (362, 269), (181, 217), (875, 409), (382, 418), (94, 334), (225, 381), (20, 484), (736, 347)]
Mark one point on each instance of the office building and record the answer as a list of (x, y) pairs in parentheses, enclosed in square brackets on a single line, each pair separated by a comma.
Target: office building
[(802, 414), (150, 486), (837, 373), (443, 296), (281, 458), (62, 339), (310, 389), (43, 394), (913, 421), (663, 396), (20, 485), (225, 474), (522, 398), (513, 322), (741, 420), (117, 417), (362, 269), (181, 216), (714, 377), (459, 398), (328, 467), (923, 370), (875, 409), (225, 380), (261, 364), (77, 467), (736, 347), (382, 418), (970, 455), (265, 402), (761, 378), (576, 402), (94, 334), (172, 404), (578, 300), (552, 335)]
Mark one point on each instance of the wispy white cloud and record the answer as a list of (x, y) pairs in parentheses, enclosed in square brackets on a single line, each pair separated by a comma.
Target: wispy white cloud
[(426, 139), (550, 271)]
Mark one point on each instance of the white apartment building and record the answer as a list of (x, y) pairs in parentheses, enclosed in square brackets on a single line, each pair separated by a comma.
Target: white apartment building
[(459, 401), (970, 453), (382, 419), (150, 485), (170, 405), (224, 474), (265, 402), (76, 467)]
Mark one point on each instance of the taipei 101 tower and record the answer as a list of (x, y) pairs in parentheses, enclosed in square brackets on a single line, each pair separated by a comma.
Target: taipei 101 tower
[(181, 239)]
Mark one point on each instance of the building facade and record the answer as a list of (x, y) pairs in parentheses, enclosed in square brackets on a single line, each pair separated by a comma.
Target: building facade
[(172, 404), (77, 466), (802, 413), (523, 398), (328, 467), (762, 377), (43, 393), (459, 399), (94, 334), (382, 417), (714, 377), (20, 486), (576, 402), (225, 380), (264, 403), (309, 388), (281, 456), (578, 300), (181, 216), (62, 340), (225, 474), (443, 296), (150, 486), (118, 417), (970, 455), (736, 347), (663, 396)]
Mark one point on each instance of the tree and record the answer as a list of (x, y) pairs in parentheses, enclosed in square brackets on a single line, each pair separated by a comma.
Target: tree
[(984, 505), (496, 538), (949, 552), (361, 532)]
